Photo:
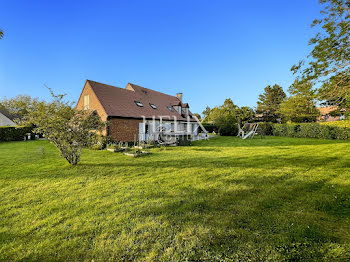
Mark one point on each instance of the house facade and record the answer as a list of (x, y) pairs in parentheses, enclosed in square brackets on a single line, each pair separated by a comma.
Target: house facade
[(138, 113)]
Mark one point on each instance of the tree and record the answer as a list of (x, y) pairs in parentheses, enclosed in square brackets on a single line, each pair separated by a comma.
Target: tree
[(19, 106), (245, 115), (206, 113), (299, 109), (67, 128), (270, 102), (1, 34), (197, 115), (225, 117), (301, 106), (335, 91), (329, 60)]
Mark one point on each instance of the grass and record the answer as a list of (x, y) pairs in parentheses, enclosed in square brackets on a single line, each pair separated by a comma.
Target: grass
[(278, 199)]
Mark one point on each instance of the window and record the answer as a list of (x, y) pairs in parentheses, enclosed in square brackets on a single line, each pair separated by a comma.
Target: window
[(178, 109), (138, 103), (153, 106), (86, 102), (170, 108)]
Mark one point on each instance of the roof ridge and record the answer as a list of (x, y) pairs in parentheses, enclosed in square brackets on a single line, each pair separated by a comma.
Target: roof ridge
[(152, 90), (103, 83)]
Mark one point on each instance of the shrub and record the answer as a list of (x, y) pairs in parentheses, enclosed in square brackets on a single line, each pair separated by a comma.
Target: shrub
[(266, 128), (14, 133), (210, 127), (279, 130), (340, 123), (99, 141), (311, 130), (184, 141), (314, 130), (341, 133), (113, 146), (66, 127), (228, 129)]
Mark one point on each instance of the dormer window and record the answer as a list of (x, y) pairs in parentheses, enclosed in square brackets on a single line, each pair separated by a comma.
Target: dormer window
[(138, 103), (153, 106), (178, 109)]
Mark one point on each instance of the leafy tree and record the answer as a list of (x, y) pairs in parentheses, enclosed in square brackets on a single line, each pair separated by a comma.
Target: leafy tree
[(225, 117), (1, 34), (335, 90), (269, 103), (245, 115), (206, 113), (19, 106), (299, 109), (198, 116), (67, 128), (329, 59), (301, 106)]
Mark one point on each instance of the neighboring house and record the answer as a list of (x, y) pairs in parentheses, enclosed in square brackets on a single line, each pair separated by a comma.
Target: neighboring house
[(325, 114), (136, 112), (6, 119)]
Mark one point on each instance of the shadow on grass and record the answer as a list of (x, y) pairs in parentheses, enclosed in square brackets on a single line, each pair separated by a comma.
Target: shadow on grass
[(277, 214), (267, 162)]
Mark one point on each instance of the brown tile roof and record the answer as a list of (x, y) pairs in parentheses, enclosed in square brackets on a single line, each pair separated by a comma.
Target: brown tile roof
[(121, 102), (327, 109)]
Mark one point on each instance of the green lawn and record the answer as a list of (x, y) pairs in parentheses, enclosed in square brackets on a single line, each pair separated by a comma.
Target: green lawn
[(223, 199)]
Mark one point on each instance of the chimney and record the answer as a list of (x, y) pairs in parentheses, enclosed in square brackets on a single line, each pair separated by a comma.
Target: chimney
[(179, 96)]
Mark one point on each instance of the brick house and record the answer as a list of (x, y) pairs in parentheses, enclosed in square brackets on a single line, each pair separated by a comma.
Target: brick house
[(325, 114), (136, 112)]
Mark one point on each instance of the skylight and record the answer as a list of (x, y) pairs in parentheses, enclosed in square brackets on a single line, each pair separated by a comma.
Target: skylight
[(170, 108), (153, 106), (138, 103)]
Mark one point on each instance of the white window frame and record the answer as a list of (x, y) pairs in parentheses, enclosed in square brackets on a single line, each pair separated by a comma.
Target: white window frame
[(138, 103), (86, 102), (153, 106)]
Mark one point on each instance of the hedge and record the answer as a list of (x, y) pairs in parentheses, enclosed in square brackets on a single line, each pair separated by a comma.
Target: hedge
[(339, 123), (14, 133), (310, 130), (210, 127)]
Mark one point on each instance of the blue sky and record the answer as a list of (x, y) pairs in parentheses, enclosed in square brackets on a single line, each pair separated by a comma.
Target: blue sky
[(208, 50)]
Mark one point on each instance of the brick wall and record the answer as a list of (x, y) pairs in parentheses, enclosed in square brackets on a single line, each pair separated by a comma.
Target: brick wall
[(94, 103), (123, 129)]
